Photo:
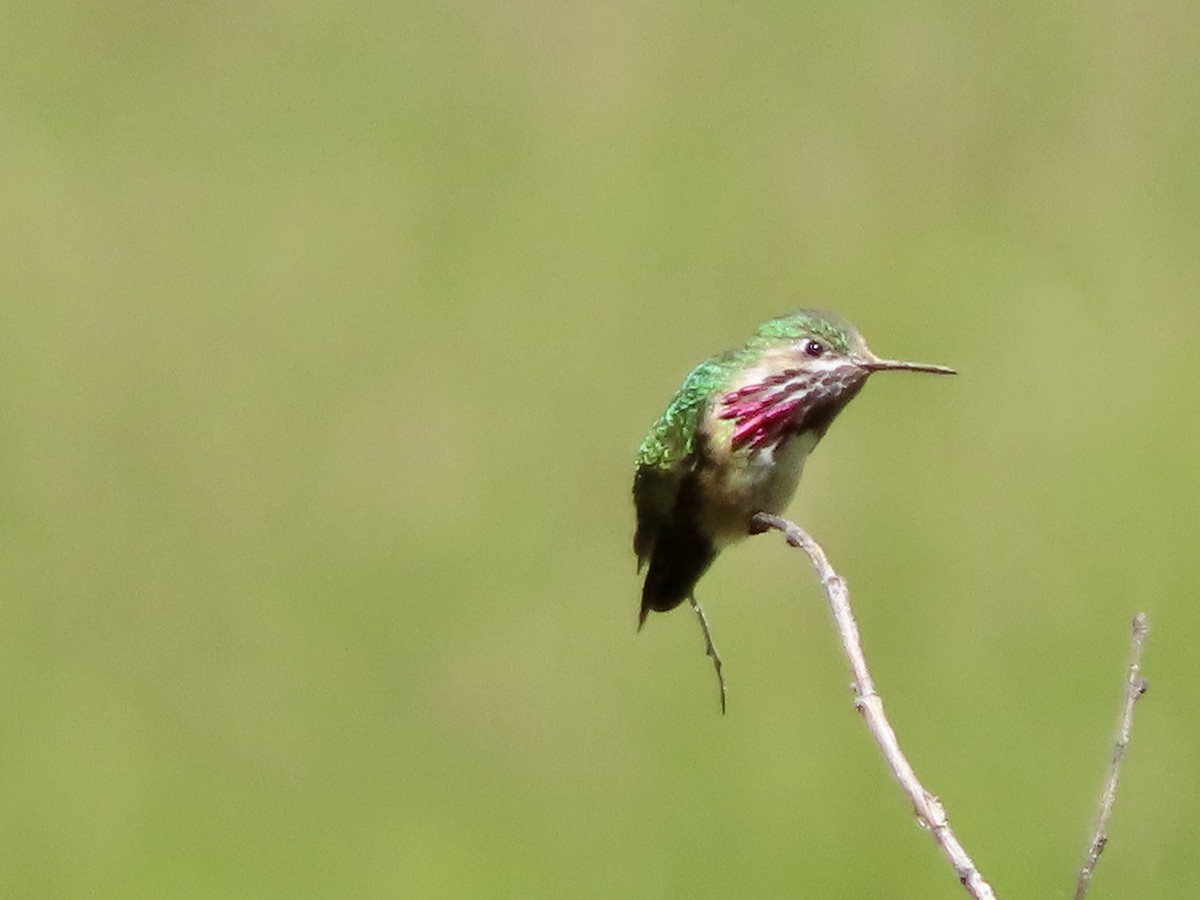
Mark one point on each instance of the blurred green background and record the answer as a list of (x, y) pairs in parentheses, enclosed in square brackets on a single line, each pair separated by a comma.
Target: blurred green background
[(329, 334)]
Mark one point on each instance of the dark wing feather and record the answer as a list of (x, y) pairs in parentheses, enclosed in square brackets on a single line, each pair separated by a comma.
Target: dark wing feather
[(655, 492), (679, 552)]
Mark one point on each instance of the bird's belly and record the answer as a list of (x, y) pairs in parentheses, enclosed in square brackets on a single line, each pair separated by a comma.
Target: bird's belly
[(753, 482)]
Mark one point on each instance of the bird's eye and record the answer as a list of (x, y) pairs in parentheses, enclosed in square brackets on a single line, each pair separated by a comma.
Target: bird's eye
[(813, 348)]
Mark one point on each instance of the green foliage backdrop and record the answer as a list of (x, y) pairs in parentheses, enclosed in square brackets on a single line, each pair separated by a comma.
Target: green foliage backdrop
[(328, 335)]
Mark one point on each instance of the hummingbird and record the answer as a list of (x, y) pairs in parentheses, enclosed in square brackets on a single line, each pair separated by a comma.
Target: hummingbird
[(733, 442)]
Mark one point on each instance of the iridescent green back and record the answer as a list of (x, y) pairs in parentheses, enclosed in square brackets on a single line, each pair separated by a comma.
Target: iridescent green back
[(672, 438), (669, 450)]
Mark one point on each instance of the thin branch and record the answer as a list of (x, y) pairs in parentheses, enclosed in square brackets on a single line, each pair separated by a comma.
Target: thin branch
[(710, 649), (1135, 686), (929, 810)]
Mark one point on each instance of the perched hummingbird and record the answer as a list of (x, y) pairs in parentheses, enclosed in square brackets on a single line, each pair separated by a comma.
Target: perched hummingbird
[(733, 441)]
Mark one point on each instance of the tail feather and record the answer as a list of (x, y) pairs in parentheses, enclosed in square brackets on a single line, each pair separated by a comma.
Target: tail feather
[(679, 557)]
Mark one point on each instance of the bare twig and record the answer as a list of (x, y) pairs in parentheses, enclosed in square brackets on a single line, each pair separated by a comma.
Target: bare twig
[(710, 649), (1135, 686), (929, 810)]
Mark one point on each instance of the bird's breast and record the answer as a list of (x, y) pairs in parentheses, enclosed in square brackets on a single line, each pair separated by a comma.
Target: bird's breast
[(737, 482)]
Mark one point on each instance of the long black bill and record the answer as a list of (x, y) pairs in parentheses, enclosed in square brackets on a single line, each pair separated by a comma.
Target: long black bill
[(875, 364)]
